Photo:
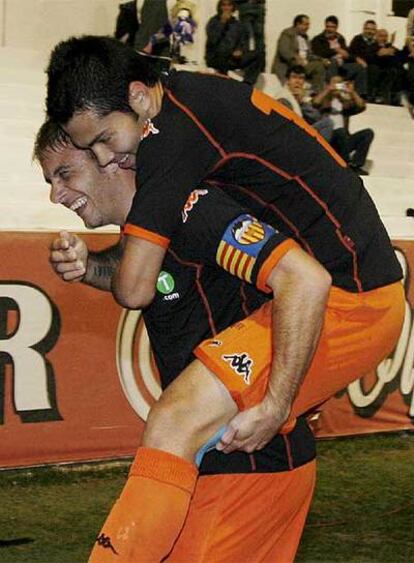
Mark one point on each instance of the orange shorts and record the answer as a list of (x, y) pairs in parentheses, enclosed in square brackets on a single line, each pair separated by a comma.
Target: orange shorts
[(359, 331), (249, 518)]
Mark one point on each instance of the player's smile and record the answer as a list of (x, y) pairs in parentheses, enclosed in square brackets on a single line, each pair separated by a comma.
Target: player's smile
[(113, 138)]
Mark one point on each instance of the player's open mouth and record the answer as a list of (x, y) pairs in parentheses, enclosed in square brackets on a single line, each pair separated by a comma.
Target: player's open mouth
[(78, 203), (123, 160)]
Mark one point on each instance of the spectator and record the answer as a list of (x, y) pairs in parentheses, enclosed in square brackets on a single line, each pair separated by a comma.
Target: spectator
[(294, 96), (127, 23), (391, 71), (331, 47), (294, 48), (227, 45), (364, 48), (340, 101)]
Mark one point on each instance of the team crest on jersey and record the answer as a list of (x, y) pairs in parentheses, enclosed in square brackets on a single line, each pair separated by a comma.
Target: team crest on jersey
[(191, 201), (240, 363), (241, 244), (149, 129), (248, 231)]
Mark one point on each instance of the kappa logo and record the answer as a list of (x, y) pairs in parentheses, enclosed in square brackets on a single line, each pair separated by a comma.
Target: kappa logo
[(191, 201), (241, 363), (215, 343), (105, 542), (149, 129), (248, 231)]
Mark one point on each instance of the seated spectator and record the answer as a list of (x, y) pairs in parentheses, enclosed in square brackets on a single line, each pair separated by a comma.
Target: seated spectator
[(364, 48), (331, 47), (340, 101), (294, 48), (391, 71), (294, 96), (227, 45)]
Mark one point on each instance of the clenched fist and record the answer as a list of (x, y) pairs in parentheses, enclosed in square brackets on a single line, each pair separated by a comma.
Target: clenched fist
[(69, 257)]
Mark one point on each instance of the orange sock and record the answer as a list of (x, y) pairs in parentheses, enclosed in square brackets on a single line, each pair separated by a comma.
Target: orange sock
[(148, 516)]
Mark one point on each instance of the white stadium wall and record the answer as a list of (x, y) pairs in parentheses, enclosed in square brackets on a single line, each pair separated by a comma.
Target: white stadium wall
[(39, 24)]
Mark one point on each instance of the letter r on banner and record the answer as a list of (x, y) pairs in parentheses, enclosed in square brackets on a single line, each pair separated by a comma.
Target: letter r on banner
[(24, 346)]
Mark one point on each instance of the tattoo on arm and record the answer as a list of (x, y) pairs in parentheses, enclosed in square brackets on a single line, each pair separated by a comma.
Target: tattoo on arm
[(102, 266)]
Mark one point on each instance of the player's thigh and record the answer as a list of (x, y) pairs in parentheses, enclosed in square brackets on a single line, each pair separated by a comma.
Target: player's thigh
[(190, 410)]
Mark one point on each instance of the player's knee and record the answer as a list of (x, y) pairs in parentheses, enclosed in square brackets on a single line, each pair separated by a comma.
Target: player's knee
[(168, 427)]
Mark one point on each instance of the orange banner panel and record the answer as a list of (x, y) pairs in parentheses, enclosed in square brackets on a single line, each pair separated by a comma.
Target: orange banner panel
[(60, 394)]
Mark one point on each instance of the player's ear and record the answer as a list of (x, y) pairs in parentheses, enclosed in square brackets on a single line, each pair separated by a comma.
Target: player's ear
[(139, 97)]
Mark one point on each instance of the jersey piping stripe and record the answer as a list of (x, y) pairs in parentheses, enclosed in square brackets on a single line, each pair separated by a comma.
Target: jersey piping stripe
[(243, 296), (340, 235), (203, 296), (273, 208), (198, 123), (342, 238)]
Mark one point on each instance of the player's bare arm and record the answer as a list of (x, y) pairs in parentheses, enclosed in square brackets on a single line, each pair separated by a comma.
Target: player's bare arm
[(135, 280), (301, 287), (102, 265)]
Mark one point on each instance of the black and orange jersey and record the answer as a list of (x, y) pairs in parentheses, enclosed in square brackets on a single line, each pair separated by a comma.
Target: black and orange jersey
[(202, 287), (212, 129), (196, 299)]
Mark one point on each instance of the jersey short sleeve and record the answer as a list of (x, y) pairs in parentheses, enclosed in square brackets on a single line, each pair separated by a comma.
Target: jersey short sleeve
[(218, 231)]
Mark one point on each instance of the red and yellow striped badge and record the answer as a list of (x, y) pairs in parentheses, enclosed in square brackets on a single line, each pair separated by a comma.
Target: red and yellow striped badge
[(235, 261)]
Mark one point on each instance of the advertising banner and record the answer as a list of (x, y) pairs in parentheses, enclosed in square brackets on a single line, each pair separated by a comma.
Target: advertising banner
[(77, 377), (60, 395), (382, 401)]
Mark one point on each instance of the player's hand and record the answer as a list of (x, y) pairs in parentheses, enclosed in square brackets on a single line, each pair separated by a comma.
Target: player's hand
[(253, 428), (69, 257)]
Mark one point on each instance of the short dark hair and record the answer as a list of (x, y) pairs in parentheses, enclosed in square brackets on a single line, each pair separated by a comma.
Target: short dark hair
[(297, 69), (218, 8), (92, 72), (50, 137), (299, 18), (332, 19), (373, 22)]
